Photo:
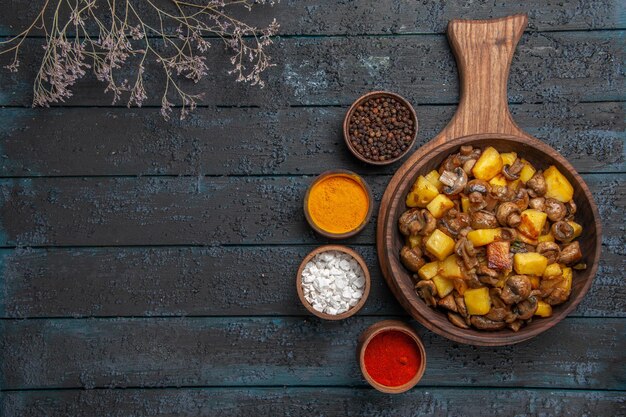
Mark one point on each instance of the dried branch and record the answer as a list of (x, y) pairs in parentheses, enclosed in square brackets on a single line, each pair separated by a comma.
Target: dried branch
[(127, 39)]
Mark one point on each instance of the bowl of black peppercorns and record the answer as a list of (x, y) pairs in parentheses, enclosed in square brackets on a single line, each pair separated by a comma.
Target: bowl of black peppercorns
[(380, 127)]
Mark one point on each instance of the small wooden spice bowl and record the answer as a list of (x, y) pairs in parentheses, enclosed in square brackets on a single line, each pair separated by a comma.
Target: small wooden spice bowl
[(366, 274), (359, 101), (385, 326), (361, 182)]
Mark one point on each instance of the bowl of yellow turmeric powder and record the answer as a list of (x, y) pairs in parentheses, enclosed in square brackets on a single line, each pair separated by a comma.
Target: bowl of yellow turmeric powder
[(338, 204)]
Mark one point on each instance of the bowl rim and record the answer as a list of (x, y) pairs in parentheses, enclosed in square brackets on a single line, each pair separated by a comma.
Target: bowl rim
[(384, 326), (366, 273), (485, 338), (346, 126), (345, 173)]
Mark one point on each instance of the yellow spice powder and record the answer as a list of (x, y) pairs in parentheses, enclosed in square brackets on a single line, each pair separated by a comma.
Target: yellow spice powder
[(338, 204)]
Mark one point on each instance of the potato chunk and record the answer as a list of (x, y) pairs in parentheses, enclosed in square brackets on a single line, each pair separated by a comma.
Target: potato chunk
[(433, 178), (465, 205), (508, 158), (558, 187), (545, 238), (530, 263), (527, 172), (532, 223), (567, 276), (439, 205), (450, 268), (498, 181), (444, 285), (488, 165), (477, 301), (482, 237), (552, 270), (422, 193), (439, 245), (498, 255), (429, 270), (543, 309), (578, 229)]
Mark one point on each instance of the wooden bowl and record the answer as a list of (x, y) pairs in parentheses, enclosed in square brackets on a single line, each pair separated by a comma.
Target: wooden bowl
[(484, 50), (366, 290), (353, 176), (346, 126), (384, 326)]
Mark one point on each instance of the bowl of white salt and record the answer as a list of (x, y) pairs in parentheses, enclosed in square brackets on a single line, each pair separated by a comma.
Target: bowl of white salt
[(333, 282)]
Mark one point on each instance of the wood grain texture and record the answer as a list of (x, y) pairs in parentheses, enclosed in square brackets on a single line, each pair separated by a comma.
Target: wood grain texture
[(563, 67), (277, 351), (193, 281), (328, 17), (250, 141), (194, 210), (349, 402)]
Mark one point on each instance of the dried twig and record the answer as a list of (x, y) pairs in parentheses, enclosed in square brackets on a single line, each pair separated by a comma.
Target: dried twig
[(127, 38)]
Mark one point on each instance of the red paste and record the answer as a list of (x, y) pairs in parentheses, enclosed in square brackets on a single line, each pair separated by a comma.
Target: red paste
[(392, 358)]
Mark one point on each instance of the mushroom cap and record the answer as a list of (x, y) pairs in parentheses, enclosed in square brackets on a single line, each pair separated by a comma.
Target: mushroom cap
[(455, 181)]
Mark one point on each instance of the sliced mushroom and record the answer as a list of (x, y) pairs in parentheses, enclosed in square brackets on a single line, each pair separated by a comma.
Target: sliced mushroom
[(526, 309), (537, 185), (461, 307), (454, 181), (464, 248), (521, 199), (417, 221), (477, 186), (501, 193), (570, 254), (496, 301), (516, 289), (454, 221), (427, 290), (450, 163), (484, 323), (511, 172), (430, 223), (498, 313), (571, 210), (562, 231), (483, 219), (468, 165), (508, 234), (487, 280), (408, 223), (412, 258), (550, 250), (448, 302), (537, 203), (515, 325), (509, 214), (457, 320), (555, 210)]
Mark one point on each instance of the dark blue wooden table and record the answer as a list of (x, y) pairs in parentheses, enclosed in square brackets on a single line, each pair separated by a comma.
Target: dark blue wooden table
[(147, 267)]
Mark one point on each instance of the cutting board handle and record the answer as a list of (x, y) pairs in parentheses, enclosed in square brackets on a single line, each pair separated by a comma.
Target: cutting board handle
[(483, 51)]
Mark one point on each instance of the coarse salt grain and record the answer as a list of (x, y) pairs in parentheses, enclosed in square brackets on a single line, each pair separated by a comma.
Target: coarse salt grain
[(333, 282)]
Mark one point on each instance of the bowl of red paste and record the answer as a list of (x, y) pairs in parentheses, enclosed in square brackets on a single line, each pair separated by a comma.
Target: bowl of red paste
[(391, 356)]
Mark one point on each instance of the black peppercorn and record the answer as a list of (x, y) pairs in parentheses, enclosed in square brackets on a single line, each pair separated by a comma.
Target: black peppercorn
[(381, 128)]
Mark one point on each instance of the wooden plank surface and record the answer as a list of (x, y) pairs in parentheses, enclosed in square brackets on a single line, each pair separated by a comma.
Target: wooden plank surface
[(234, 281), (197, 210), (228, 351), (252, 141), (348, 402), (328, 17), (547, 67)]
